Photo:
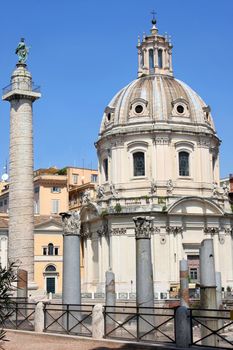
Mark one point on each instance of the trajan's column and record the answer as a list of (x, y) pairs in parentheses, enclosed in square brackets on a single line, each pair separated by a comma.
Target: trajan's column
[(21, 94)]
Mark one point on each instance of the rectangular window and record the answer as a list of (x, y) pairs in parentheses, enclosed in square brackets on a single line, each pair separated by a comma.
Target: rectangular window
[(105, 167), (55, 206), (37, 189), (5, 201), (36, 207), (1, 204), (94, 177), (193, 273), (55, 189), (44, 251), (55, 251), (75, 178)]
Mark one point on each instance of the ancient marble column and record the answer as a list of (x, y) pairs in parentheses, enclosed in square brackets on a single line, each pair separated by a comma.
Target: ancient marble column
[(71, 283), (184, 283), (21, 94), (144, 272), (208, 291)]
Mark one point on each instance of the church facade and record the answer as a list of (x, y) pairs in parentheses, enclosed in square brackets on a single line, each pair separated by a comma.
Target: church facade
[(158, 154)]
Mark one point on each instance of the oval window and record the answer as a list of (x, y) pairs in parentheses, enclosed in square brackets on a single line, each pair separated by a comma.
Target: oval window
[(138, 109), (180, 109)]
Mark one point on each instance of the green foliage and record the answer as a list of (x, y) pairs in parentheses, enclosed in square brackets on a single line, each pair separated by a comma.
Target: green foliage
[(161, 200), (118, 208), (62, 171), (7, 277), (104, 212)]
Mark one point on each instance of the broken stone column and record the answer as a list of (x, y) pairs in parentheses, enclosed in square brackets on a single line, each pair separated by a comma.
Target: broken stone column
[(208, 290), (22, 284), (184, 283), (71, 283), (110, 300), (144, 273)]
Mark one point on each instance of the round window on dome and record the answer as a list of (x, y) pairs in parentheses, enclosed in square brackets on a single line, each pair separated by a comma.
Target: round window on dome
[(180, 109), (139, 109)]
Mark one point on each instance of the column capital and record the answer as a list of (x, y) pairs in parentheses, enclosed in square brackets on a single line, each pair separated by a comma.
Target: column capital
[(71, 223), (143, 226)]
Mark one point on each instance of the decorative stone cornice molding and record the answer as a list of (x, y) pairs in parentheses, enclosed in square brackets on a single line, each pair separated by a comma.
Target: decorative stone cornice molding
[(203, 143), (103, 230), (174, 229), (211, 230), (161, 140), (228, 230), (143, 226), (85, 231), (71, 223), (118, 231)]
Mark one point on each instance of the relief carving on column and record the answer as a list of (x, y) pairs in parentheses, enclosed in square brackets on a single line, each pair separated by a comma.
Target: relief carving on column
[(143, 226), (71, 223)]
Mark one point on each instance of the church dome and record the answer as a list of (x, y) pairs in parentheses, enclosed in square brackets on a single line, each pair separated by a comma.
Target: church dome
[(156, 96), (157, 99)]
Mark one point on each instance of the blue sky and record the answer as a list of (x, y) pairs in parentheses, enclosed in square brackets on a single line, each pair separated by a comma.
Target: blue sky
[(84, 51)]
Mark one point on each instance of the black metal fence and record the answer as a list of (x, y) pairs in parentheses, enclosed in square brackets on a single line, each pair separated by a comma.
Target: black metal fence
[(139, 324), (212, 328), (18, 314), (208, 327), (68, 318)]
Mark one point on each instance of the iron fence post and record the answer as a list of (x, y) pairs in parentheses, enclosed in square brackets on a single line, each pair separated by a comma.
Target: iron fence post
[(16, 315), (67, 317), (137, 324), (191, 326)]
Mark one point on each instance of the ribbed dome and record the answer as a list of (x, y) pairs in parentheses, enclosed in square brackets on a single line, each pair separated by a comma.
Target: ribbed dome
[(157, 98)]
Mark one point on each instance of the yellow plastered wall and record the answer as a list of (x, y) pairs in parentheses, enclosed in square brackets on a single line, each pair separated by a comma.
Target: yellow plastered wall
[(42, 261)]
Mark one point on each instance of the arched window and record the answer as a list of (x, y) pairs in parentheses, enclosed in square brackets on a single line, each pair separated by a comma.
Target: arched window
[(160, 58), (183, 163), (105, 167), (50, 268), (138, 164), (151, 58), (50, 249)]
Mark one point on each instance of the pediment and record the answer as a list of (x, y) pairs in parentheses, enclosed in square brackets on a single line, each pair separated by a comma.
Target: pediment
[(49, 226), (195, 206)]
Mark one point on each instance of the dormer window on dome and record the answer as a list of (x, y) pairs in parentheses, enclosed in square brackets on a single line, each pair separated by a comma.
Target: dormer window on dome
[(138, 108), (154, 54), (180, 108), (109, 113)]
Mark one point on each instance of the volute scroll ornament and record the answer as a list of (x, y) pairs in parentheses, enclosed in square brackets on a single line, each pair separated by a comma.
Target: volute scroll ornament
[(71, 223)]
